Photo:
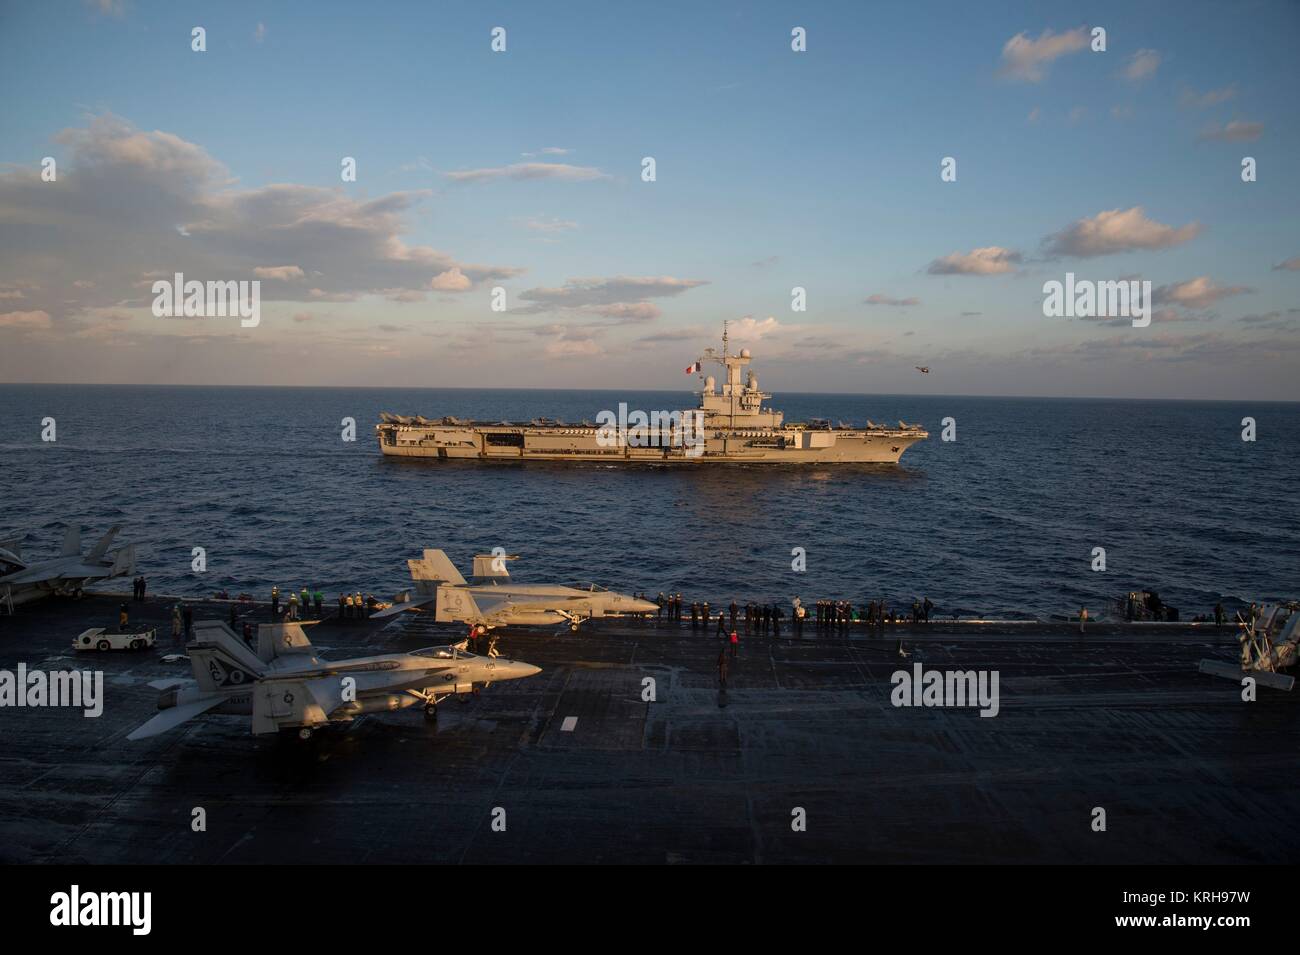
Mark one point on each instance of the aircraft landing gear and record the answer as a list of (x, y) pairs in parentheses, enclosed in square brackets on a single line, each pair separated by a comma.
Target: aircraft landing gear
[(304, 734), (431, 712), (573, 628)]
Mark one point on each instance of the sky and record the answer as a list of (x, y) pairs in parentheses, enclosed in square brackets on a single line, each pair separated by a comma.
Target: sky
[(516, 178)]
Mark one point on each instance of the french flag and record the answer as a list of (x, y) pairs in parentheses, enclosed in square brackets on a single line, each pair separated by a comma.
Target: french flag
[(693, 369)]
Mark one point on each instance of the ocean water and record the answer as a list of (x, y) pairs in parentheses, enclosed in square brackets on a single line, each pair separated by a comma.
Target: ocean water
[(1003, 521)]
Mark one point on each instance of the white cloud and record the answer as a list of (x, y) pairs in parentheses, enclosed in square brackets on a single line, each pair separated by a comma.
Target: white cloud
[(1027, 60), (1117, 230), (124, 192), (280, 273), (1199, 292), (25, 320), (879, 299), (529, 170), (452, 280), (989, 260), (1142, 65), (749, 328), (1190, 99), (1237, 131), (543, 224), (574, 348), (602, 294)]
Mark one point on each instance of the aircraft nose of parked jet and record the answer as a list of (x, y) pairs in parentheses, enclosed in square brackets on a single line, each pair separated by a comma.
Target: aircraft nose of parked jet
[(644, 606), (516, 669)]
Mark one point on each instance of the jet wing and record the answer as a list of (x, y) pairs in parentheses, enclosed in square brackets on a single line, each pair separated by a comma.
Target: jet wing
[(175, 716), (326, 692), (40, 574), (395, 609)]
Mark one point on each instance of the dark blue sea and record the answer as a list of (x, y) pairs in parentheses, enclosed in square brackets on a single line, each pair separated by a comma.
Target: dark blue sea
[(1001, 522)]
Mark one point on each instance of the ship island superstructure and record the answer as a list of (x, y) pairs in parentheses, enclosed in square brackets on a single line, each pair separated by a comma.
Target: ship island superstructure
[(731, 424)]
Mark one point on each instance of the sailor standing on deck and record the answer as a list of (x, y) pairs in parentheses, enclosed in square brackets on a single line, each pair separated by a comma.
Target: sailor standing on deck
[(176, 623), (1083, 618), (275, 601)]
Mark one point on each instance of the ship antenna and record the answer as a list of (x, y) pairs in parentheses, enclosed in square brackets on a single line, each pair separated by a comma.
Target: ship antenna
[(725, 323)]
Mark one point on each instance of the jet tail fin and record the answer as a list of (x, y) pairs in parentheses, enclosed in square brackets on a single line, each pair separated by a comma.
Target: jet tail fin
[(493, 565), (101, 545), (72, 540), (123, 561), (435, 566), (14, 545), (220, 659), (277, 639)]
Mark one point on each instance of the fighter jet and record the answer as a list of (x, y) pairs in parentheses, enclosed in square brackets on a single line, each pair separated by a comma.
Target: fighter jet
[(285, 685), (1270, 643), (493, 601), (21, 581)]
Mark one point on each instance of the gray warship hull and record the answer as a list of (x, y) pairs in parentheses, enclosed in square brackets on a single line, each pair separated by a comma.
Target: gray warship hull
[(730, 425), (793, 445)]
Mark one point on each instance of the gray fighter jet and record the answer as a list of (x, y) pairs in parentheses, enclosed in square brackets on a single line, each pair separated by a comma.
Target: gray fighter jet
[(1270, 644), (285, 685), (491, 600), (21, 581)]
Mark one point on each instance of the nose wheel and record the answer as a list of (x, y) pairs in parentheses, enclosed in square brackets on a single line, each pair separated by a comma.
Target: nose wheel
[(431, 712)]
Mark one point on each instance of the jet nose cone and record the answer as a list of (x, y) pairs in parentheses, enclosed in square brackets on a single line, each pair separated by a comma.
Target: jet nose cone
[(517, 670), (644, 606)]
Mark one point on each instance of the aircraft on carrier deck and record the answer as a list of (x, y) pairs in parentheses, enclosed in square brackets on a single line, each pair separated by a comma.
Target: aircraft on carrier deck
[(21, 581), (491, 600), (1270, 644), (285, 685)]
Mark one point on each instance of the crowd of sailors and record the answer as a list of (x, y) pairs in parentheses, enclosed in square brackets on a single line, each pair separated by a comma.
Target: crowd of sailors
[(350, 606)]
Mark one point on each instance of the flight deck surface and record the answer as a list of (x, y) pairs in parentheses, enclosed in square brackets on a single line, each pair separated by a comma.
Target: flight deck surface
[(587, 771)]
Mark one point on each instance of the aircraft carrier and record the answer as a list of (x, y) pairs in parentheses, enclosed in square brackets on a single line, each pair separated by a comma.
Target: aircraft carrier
[(585, 769), (730, 425)]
